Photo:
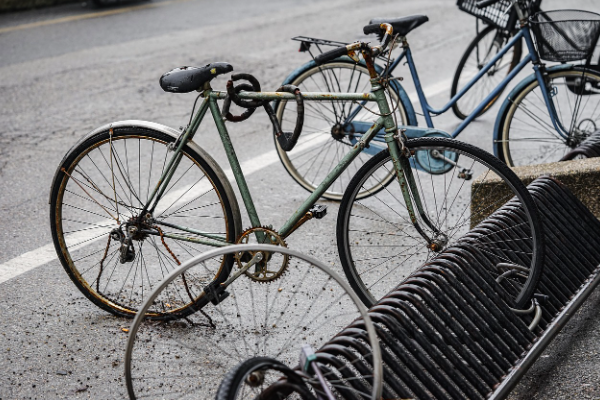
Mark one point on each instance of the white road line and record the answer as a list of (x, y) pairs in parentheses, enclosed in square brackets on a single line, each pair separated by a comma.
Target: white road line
[(432, 91), (43, 255), (26, 262), (38, 257)]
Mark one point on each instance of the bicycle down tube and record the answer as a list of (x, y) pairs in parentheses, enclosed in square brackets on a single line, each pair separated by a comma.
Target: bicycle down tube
[(428, 110), (530, 57), (210, 102)]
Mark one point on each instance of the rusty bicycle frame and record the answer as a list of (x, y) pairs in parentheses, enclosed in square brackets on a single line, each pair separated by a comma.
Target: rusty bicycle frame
[(394, 141)]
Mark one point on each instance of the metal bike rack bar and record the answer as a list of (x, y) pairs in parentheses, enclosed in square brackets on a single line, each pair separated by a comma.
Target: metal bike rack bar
[(590, 147), (447, 333)]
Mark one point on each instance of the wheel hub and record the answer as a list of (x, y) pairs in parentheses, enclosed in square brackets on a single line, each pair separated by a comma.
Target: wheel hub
[(438, 243), (575, 138), (337, 131), (583, 130), (133, 230), (255, 379), (138, 225)]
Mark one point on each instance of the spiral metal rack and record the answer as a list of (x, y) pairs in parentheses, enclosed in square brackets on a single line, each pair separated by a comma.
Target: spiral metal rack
[(447, 333), (589, 147)]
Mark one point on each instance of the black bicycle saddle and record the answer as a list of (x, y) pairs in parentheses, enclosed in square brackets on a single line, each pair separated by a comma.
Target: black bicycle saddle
[(187, 79), (402, 25)]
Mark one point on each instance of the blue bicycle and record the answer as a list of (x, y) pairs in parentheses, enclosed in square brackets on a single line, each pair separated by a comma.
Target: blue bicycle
[(543, 119)]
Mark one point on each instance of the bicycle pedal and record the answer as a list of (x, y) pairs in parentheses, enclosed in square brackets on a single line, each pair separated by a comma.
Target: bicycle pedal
[(220, 297), (215, 293), (318, 211)]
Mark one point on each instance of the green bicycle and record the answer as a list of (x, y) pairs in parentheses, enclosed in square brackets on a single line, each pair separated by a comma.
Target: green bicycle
[(132, 200)]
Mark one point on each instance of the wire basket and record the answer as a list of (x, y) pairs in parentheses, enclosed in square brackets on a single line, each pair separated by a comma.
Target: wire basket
[(565, 35), (496, 14)]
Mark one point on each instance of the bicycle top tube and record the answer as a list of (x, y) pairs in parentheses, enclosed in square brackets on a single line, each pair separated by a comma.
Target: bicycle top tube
[(352, 50), (254, 99), (428, 110), (312, 96)]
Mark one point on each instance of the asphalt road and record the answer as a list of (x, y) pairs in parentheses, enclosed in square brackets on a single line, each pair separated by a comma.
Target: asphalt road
[(69, 69)]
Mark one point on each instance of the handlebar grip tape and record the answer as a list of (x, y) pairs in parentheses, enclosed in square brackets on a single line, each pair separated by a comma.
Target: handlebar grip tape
[(373, 28), (331, 55)]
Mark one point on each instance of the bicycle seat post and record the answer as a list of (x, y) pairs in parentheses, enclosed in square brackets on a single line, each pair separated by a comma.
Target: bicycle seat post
[(519, 11), (404, 42)]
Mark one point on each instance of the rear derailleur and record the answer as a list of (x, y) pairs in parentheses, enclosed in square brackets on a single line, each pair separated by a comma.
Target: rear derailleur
[(124, 236)]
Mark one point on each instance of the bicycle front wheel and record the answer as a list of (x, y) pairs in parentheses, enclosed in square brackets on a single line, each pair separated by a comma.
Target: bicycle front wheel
[(380, 246), (527, 133), (479, 52), (97, 196), (263, 377), (308, 304), (331, 128)]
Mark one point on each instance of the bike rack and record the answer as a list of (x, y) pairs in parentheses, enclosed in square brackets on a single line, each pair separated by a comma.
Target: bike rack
[(447, 333), (589, 148)]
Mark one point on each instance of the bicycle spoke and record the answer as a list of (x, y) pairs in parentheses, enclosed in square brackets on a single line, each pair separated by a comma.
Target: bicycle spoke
[(108, 258)]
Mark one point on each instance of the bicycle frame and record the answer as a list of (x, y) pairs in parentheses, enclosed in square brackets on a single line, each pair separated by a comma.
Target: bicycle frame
[(428, 110), (403, 172), (531, 56)]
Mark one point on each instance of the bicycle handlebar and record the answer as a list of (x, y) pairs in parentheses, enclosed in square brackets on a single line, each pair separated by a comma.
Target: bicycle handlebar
[(372, 28), (331, 55), (384, 28), (485, 3)]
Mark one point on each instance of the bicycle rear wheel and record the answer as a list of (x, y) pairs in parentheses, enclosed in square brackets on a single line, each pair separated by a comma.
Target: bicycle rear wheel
[(330, 128), (380, 247), (527, 134), (308, 304), (97, 195), (480, 51)]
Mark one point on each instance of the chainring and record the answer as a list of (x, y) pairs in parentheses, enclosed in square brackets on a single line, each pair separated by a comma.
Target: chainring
[(260, 272)]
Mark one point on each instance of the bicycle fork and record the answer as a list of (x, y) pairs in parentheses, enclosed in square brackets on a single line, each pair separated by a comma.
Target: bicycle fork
[(402, 166), (412, 199)]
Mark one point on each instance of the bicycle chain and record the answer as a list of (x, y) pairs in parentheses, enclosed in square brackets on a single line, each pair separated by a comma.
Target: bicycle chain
[(185, 284), (102, 264)]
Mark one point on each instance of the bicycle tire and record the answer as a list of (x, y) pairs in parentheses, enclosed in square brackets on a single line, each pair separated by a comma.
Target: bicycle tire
[(236, 383), (378, 245), (526, 133), (466, 70), (323, 142), (85, 212), (308, 304)]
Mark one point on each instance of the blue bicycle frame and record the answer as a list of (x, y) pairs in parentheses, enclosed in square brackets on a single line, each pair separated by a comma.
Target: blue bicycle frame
[(428, 110)]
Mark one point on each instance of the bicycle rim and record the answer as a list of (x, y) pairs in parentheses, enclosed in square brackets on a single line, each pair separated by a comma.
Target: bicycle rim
[(101, 188), (480, 51), (380, 247), (308, 304), (263, 376), (328, 133), (528, 135)]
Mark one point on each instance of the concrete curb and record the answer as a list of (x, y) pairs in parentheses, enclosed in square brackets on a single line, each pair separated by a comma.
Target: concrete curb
[(581, 177)]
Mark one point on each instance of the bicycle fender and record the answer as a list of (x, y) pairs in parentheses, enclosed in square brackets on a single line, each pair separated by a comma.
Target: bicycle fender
[(396, 86), (513, 94), (175, 134)]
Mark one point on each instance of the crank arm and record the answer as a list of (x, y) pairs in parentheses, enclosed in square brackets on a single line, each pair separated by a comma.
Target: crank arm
[(255, 260), (465, 173), (440, 156)]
